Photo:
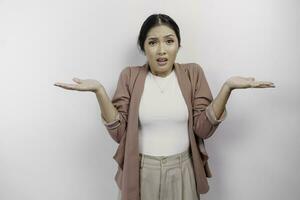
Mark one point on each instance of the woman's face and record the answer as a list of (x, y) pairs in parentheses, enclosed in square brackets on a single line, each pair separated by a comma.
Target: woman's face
[(161, 47)]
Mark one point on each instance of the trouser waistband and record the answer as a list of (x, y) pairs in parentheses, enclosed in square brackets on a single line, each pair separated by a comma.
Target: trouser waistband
[(159, 161)]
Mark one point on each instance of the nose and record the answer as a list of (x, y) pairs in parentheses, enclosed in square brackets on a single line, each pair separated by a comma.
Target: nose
[(161, 50)]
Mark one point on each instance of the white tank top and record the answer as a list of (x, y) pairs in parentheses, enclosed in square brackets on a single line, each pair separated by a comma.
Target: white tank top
[(163, 117)]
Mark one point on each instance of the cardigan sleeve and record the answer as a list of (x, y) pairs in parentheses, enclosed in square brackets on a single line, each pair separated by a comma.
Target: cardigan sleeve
[(204, 119), (120, 100)]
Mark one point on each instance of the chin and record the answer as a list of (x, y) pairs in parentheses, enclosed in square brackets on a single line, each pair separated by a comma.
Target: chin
[(162, 69)]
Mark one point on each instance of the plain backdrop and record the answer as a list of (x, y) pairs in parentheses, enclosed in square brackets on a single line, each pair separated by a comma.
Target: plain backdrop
[(53, 145)]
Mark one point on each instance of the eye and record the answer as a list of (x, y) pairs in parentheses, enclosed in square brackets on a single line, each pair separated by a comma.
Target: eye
[(151, 43), (170, 41)]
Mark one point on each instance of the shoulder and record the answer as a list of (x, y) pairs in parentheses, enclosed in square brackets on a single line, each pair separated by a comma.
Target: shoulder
[(131, 69), (130, 73), (191, 67), (194, 71)]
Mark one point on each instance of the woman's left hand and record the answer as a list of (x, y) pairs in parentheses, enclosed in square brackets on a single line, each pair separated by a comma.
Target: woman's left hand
[(238, 82)]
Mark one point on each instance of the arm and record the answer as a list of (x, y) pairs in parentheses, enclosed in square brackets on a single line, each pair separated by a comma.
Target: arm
[(218, 104), (232, 83), (114, 114), (205, 123), (108, 111), (205, 119)]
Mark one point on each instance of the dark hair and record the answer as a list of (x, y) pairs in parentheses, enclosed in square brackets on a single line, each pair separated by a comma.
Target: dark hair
[(154, 20)]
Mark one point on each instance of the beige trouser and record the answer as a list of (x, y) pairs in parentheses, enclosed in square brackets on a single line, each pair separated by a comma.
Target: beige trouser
[(167, 177)]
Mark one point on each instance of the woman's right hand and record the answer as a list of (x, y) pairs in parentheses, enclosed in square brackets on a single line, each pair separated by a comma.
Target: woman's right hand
[(83, 85)]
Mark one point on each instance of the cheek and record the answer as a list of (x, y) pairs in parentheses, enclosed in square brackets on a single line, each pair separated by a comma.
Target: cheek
[(150, 52), (173, 51)]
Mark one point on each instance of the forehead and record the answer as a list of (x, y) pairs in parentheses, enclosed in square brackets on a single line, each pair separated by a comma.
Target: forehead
[(160, 31)]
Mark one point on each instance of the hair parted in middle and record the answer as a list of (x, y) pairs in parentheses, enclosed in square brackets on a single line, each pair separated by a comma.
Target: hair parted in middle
[(155, 20)]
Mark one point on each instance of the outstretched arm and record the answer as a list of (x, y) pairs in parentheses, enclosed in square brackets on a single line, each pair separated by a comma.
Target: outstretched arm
[(209, 112), (236, 82), (108, 111), (113, 112), (219, 102)]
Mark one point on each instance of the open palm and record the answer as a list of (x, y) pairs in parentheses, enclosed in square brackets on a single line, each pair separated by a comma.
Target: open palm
[(238, 82), (82, 85)]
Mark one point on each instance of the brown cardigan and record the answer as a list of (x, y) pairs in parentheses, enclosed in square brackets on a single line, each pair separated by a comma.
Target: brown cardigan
[(202, 123)]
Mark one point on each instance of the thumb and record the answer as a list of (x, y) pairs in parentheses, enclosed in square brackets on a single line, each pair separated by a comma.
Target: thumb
[(77, 80)]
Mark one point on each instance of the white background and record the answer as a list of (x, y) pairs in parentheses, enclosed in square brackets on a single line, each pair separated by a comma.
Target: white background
[(53, 145)]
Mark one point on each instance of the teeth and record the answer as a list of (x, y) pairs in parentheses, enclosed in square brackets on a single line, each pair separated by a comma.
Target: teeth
[(161, 60)]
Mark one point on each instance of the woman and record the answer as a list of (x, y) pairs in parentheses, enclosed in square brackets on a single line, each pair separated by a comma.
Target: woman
[(160, 115)]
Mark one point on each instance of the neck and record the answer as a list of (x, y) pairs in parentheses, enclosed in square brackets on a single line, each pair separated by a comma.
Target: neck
[(164, 74)]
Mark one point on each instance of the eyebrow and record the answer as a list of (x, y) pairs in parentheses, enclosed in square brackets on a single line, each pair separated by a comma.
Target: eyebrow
[(164, 36)]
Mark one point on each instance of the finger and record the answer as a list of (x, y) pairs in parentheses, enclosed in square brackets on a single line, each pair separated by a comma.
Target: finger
[(254, 84), (67, 86), (257, 84), (251, 78), (269, 84), (58, 84), (264, 84), (77, 80)]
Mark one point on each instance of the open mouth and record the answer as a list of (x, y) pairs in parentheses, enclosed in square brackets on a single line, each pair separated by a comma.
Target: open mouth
[(162, 61)]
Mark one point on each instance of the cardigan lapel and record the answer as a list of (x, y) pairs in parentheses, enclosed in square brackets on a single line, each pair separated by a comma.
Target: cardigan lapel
[(131, 167), (184, 85)]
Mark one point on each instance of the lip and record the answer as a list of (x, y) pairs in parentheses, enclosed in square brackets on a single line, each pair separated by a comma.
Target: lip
[(162, 63), (162, 58)]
